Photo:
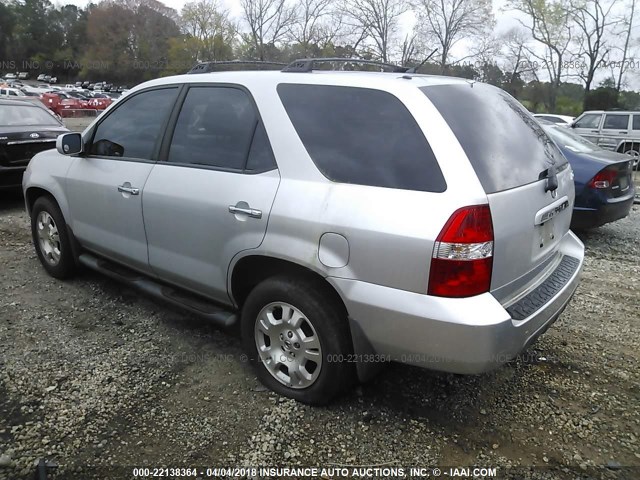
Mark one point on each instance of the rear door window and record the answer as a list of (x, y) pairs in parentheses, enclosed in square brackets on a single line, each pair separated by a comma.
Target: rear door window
[(616, 122), (506, 146), (219, 127), (636, 122), (362, 136)]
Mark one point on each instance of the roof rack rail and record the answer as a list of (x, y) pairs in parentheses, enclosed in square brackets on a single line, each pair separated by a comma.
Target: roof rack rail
[(206, 67), (306, 64)]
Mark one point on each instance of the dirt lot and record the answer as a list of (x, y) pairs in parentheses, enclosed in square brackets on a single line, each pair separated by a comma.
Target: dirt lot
[(95, 376)]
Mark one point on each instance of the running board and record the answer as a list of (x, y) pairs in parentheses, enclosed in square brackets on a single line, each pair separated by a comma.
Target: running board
[(188, 301)]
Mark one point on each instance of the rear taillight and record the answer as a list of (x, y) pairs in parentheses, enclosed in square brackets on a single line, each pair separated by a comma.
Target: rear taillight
[(463, 254), (603, 179)]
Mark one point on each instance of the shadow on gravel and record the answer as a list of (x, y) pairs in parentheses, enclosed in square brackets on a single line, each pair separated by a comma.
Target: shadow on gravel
[(11, 199)]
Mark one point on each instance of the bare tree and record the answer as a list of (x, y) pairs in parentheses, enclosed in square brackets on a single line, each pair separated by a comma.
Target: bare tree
[(550, 24), (376, 21), (449, 21), (316, 23), (628, 21), (209, 23), (592, 19), (518, 62), (268, 20), (409, 49)]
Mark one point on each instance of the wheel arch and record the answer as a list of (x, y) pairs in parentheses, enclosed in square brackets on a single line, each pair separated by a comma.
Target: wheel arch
[(33, 193), (634, 144), (250, 270)]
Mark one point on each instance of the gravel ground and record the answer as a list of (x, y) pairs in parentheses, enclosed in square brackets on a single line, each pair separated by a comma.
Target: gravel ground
[(95, 376)]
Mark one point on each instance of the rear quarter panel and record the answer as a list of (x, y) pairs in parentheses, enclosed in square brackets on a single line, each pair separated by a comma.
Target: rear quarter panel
[(390, 232)]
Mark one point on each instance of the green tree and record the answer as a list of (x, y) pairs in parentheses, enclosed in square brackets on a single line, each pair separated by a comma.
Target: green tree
[(7, 23)]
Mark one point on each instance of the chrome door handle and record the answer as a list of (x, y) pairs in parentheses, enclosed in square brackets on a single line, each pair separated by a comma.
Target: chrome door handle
[(131, 190), (253, 213)]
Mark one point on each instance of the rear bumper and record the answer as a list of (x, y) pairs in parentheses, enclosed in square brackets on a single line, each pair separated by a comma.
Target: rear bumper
[(468, 335), (611, 211), (11, 177)]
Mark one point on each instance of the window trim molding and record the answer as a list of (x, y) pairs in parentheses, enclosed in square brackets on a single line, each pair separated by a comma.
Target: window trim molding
[(163, 129), (163, 153)]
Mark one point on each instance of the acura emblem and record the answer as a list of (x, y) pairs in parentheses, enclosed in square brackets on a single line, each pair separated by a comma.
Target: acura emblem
[(34, 135)]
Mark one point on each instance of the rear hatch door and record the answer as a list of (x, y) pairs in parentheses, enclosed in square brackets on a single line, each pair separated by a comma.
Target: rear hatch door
[(528, 181)]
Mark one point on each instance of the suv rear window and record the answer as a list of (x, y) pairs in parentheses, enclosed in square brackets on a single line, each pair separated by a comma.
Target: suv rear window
[(504, 143), (362, 136)]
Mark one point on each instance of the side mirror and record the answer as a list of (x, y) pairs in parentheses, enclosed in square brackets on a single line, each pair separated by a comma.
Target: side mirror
[(69, 143)]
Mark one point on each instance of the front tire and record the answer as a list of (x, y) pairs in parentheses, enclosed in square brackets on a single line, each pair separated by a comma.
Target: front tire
[(298, 339), (51, 239)]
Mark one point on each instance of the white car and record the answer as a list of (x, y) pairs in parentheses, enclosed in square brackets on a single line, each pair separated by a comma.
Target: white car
[(11, 92)]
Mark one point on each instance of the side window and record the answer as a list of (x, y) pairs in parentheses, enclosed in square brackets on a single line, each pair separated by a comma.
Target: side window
[(589, 121), (260, 156), (362, 136), (135, 126), (636, 122), (619, 122), (215, 128)]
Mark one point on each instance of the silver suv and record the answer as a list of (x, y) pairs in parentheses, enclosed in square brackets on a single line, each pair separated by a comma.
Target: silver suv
[(615, 130), (343, 219)]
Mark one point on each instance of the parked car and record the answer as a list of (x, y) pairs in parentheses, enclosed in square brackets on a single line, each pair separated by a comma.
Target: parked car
[(11, 92), (10, 76), (59, 101), (99, 101), (615, 130), (23, 75), (30, 93), (603, 179), (25, 129), (53, 80), (563, 120), (41, 77), (340, 219)]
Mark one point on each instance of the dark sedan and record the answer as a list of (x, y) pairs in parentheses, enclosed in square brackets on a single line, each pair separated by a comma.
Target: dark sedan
[(26, 128), (603, 179)]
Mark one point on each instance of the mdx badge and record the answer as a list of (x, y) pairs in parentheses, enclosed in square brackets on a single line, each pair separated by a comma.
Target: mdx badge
[(547, 213)]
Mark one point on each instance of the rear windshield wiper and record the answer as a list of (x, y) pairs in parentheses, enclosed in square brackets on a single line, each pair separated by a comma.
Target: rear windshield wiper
[(552, 178)]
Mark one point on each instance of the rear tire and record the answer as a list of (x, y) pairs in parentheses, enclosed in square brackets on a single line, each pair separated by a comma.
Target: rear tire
[(51, 239), (634, 153), (298, 339)]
